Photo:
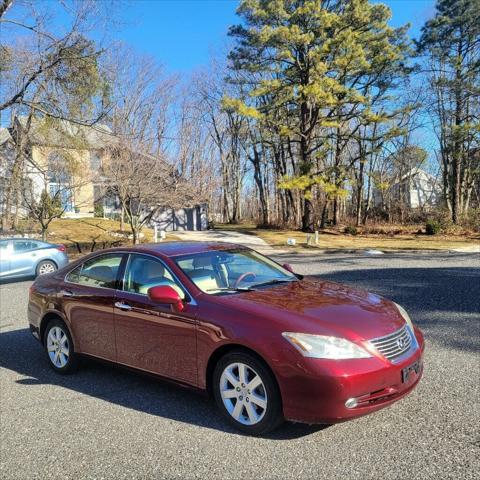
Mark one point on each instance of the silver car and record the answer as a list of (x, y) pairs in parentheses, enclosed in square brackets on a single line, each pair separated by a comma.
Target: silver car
[(23, 257)]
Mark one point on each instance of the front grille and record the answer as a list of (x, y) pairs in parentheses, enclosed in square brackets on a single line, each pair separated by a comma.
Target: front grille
[(394, 345)]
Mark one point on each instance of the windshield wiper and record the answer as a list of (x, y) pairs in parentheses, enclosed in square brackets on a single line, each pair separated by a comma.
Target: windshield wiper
[(273, 282), (230, 289)]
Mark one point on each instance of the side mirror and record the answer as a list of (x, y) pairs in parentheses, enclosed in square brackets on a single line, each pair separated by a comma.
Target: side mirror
[(288, 267), (166, 294)]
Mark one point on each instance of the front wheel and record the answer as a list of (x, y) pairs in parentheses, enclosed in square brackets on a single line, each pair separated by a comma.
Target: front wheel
[(247, 394), (59, 347)]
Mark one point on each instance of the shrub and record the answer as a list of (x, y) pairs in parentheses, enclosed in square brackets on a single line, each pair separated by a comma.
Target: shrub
[(432, 227), (98, 210), (351, 230), (472, 220)]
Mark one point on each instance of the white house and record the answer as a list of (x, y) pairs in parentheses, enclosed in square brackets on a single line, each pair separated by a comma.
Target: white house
[(417, 189)]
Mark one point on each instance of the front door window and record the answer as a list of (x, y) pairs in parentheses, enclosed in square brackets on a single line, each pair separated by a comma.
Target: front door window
[(144, 272)]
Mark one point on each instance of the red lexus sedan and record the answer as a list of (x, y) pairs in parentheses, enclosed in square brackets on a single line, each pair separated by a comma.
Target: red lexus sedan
[(267, 343)]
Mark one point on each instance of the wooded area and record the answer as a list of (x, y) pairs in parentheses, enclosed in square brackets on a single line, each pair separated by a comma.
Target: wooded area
[(312, 119)]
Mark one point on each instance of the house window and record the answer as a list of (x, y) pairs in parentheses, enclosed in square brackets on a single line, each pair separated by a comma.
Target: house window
[(64, 194), (59, 169), (60, 181), (95, 161), (111, 200)]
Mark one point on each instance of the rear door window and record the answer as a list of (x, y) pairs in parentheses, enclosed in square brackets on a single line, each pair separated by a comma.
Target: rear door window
[(97, 272)]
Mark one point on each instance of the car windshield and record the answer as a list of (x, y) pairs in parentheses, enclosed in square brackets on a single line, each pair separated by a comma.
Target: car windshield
[(230, 271)]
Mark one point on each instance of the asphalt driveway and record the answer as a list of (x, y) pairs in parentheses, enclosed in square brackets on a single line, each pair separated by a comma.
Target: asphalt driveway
[(105, 422)]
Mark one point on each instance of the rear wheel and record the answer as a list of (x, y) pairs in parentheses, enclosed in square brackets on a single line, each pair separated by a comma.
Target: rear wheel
[(59, 347), (247, 394), (46, 266)]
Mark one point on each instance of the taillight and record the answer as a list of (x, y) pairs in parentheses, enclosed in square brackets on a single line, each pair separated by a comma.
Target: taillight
[(61, 248)]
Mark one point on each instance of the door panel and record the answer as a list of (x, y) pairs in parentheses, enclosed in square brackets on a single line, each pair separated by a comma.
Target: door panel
[(24, 257), (90, 311), (129, 330), (88, 297), (170, 343), (152, 336)]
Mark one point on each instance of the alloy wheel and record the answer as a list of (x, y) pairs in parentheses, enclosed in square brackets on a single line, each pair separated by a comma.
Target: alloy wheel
[(243, 393), (46, 267), (58, 347)]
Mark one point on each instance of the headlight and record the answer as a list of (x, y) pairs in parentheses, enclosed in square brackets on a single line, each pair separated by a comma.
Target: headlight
[(320, 346), (405, 316)]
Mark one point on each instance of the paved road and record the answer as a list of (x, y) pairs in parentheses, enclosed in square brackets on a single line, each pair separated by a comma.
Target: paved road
[(107, 423), (230, 236)]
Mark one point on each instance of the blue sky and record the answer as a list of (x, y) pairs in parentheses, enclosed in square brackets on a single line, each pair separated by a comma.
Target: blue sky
[(182, 34)]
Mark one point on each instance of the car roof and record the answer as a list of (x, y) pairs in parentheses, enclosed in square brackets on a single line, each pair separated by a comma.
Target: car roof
[(24, 239), (172, 249)]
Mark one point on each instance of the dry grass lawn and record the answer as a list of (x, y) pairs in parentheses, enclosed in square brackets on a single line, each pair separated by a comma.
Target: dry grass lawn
[(342, 241), (331, 239), (88, 234)]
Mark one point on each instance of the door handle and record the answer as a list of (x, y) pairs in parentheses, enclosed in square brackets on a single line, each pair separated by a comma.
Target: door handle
[(123, 306), (66, 293)]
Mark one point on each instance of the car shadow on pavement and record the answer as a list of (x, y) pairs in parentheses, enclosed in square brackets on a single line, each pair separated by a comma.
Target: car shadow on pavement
[(6, 281), (122, 387)]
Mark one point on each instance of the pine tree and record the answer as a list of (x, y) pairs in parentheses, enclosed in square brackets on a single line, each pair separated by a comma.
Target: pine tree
[(451, 42), (309, 68)]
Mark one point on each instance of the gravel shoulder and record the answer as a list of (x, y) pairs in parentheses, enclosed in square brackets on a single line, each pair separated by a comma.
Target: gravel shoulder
[(105, 422)]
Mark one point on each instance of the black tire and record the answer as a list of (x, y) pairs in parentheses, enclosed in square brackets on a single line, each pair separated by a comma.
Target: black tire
[(46, 265), (272, 416), (71, 364)]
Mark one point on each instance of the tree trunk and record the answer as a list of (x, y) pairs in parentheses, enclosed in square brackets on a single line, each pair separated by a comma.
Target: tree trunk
[(307, 215), (457, 143), (358, 209), (122, 219), (258, 177), (323, 220)]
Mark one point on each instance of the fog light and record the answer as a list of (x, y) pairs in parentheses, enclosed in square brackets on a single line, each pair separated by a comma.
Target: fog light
[(351, 403)]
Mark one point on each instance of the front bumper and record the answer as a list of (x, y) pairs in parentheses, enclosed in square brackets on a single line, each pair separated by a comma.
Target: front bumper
[(318, 390)]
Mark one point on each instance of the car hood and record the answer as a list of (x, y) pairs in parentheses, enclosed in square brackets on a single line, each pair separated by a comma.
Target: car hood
[(320, 307)]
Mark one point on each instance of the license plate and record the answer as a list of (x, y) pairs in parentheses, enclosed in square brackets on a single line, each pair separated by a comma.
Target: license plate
[(407, 371)]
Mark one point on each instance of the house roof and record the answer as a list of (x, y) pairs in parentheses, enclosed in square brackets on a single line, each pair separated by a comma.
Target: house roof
[(62, 133), (415, 171)]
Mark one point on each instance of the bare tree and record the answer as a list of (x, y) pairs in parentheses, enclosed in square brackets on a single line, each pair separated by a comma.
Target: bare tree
[(227, 130), (140, 170), (49, 190), (49, 69), (144, 184)]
